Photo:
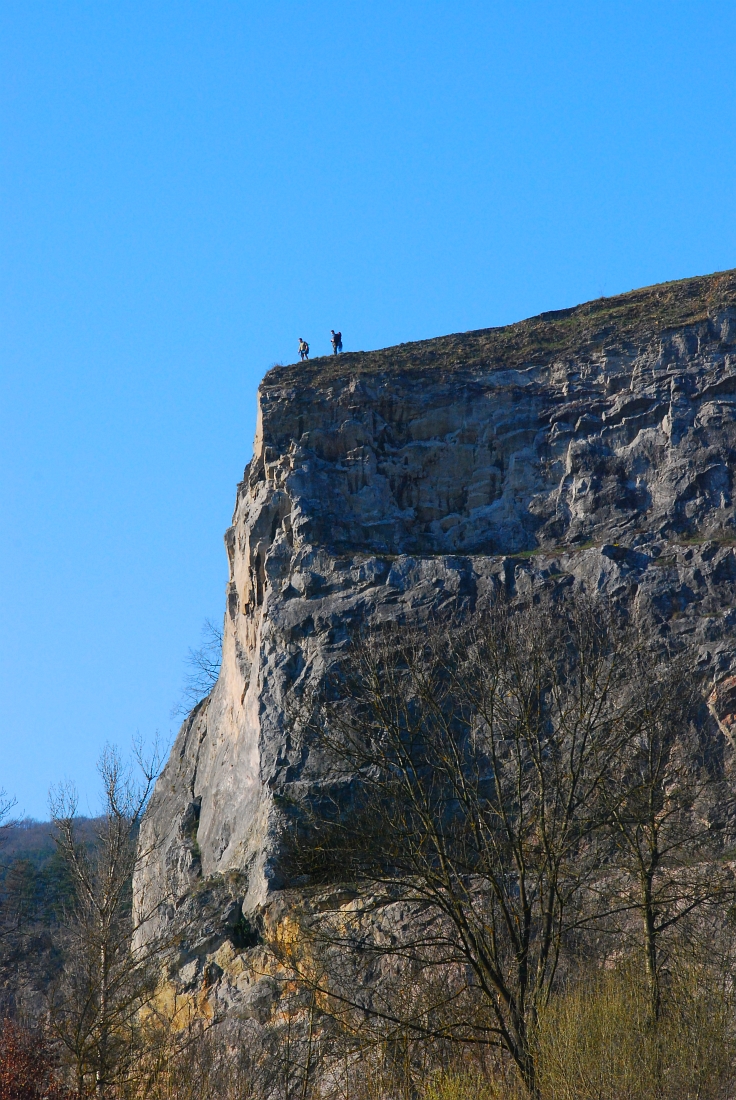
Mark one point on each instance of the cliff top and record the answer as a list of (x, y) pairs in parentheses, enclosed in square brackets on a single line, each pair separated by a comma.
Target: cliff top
[(605, 323)]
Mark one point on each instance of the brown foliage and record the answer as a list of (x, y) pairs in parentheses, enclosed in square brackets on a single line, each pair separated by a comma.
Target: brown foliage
[(27, 1069)]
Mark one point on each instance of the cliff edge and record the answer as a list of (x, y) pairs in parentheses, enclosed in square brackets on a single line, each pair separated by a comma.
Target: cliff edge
[(593, 446)]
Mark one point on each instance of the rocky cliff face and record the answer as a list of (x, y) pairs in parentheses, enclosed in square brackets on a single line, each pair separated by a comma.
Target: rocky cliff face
[(593, 447)]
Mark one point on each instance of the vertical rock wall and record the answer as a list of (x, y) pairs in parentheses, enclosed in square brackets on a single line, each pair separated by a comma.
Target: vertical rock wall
[(594, 447)]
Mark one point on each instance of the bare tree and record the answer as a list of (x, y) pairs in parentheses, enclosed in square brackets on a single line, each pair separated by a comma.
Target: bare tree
[(661, 794), (467, 764), (95, 1005), (7, 805), (204, 668), (10, 910)]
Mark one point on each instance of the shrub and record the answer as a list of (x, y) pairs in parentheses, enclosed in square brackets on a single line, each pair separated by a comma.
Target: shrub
[(599, 1039), (27, 1066)]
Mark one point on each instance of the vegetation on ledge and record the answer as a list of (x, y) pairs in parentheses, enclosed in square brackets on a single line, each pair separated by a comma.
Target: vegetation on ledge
[(604, 324)]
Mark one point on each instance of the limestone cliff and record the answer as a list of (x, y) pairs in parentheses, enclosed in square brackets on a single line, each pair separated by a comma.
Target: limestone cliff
[(593, 446)]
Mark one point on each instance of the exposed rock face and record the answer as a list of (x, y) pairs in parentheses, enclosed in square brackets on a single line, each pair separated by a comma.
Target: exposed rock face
[(592, 447)]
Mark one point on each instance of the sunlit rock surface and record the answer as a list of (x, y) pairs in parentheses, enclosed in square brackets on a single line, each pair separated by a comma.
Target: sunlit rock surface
[(591, 447)]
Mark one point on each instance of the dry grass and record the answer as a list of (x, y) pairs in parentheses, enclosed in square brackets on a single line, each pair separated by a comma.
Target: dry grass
[(597, 1041), (624, 321)]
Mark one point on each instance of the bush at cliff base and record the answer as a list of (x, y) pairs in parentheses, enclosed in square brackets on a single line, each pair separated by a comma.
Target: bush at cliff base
[(26, 1066)]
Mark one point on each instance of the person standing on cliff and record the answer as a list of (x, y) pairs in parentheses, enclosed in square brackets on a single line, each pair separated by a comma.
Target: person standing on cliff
[(303, 348), (336, 341)]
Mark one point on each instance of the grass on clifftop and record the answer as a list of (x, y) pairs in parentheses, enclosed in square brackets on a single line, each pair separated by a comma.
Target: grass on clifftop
[(620, 322)]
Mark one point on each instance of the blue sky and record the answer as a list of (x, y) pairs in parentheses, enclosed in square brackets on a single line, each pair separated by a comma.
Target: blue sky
[(186, 188)]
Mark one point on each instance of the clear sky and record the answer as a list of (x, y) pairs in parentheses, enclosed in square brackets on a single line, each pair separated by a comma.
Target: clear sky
[(188, 187)]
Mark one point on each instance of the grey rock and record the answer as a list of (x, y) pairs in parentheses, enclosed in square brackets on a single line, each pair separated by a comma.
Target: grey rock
[(593, 448)]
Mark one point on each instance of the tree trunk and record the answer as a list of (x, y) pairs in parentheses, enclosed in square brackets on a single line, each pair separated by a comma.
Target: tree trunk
[(650, 946), (101, 1082)]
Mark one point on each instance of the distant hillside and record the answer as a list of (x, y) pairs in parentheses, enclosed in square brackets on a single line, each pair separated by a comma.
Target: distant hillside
[(35, 888), (33, 881), (34, 840), (28, 839)]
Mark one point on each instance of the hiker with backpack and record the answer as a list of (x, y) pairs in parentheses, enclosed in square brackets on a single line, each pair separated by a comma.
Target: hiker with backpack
[(303, 349), (336, 341)]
